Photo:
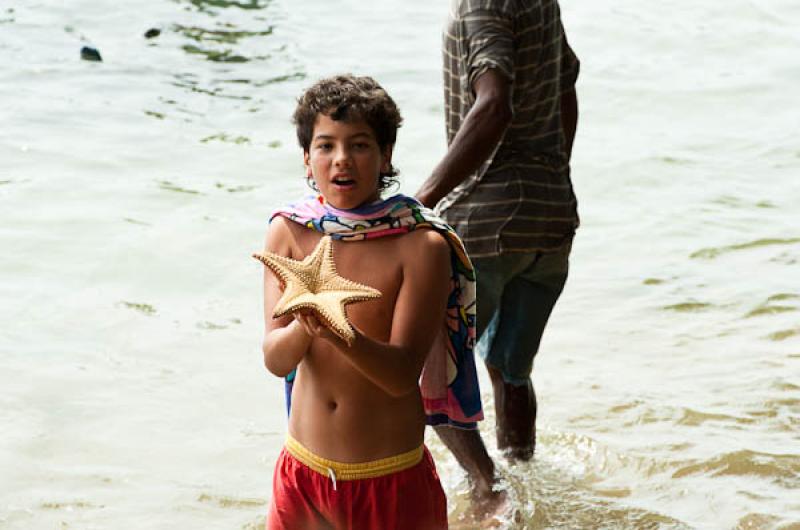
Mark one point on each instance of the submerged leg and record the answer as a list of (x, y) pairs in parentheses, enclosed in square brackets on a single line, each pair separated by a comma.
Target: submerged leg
[(470, 452), (515, 409)]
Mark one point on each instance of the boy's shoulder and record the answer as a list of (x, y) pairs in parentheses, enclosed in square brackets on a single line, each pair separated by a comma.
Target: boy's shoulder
[(283, 235), (277, 229), (426, 239), (281, 223), (424, 247)]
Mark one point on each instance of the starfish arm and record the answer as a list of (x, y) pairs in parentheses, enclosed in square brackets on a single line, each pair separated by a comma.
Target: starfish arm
[(333, 314), (313, 283), (293, 299), (350, 291), (284, 268), (321, 259)]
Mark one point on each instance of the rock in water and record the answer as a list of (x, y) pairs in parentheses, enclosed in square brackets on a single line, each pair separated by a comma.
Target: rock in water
[(152, 33), (90, 54)]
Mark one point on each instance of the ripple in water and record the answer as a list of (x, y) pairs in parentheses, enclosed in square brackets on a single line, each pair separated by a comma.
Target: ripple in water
[(239, 39), (781, 469), (713, 252)]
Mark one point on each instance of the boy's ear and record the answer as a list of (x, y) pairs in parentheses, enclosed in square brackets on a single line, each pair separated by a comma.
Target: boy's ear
[(386, 166), (306, 163)]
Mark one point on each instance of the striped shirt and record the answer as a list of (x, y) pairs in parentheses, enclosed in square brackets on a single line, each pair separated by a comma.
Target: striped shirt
[(521, 199)]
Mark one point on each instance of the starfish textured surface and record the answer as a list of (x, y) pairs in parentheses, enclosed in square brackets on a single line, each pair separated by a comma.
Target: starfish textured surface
[(314, 284)]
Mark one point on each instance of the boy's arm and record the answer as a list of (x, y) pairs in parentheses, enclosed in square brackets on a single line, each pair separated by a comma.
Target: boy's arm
[(285, 341), (419, 314)]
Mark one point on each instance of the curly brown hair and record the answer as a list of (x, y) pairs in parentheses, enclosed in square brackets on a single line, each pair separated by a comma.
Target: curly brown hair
[(347, 97)]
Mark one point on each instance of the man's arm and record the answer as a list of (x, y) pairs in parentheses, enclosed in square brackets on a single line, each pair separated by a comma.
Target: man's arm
[(569, 118), (481, 131), (419, 314)]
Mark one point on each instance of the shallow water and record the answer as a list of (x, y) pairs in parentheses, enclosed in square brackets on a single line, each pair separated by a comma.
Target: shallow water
[(132, 192)]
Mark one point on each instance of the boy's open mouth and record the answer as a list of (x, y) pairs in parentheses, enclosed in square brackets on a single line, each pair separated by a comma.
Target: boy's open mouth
[(343, 181)]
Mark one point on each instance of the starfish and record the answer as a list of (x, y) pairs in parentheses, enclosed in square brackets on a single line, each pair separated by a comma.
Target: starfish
[(314, 284)]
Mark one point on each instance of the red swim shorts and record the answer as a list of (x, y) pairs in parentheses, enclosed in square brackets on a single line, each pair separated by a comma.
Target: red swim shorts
[(397, 493)]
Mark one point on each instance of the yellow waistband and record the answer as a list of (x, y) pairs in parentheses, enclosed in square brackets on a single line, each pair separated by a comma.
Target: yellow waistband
[(353, 471)]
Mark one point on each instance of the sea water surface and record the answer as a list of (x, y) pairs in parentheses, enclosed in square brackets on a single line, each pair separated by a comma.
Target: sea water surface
[(133, 191)]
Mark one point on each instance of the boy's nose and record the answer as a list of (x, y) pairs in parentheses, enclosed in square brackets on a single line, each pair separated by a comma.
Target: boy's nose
[(342, 158)]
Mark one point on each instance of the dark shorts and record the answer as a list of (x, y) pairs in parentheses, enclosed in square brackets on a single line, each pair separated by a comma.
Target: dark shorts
[(516, 294)]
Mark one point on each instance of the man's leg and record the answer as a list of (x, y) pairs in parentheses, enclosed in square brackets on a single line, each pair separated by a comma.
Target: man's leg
[(515, 408), (526, 304), (470, 452), (467, 445)]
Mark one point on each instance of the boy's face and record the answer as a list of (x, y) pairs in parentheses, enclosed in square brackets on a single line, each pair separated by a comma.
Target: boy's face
[(345, 161)]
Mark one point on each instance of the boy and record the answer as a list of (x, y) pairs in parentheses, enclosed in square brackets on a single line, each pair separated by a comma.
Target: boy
[(354, 457)]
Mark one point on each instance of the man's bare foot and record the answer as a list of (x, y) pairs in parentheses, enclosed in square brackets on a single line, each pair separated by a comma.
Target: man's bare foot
[(490, 508)]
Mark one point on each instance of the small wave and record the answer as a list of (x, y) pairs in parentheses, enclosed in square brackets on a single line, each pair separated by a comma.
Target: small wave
[(145, 309), (616, 409), (736, 202), (780, 297), (135, 221), (552, 500), (206, 5), (783, 334), (695, 418), (687, 307), (220, 56), (638, 413), (225, 501), (790, 403), (211, 326), (757, 521), (169, 186), (71, 505), (769, 310), (769, 307), (235, 189), (616, 493), (224, 137), (784, 469), (581, 456), (228, 36), (674, 160), (713, 252), (785, 386)]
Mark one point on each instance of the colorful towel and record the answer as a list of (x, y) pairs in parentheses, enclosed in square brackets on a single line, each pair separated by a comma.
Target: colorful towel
[(449, 381)]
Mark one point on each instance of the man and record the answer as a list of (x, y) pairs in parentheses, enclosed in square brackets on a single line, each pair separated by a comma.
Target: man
[(504, 185)]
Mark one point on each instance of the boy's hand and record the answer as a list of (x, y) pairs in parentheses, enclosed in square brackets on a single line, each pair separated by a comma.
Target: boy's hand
[(317, 330)]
